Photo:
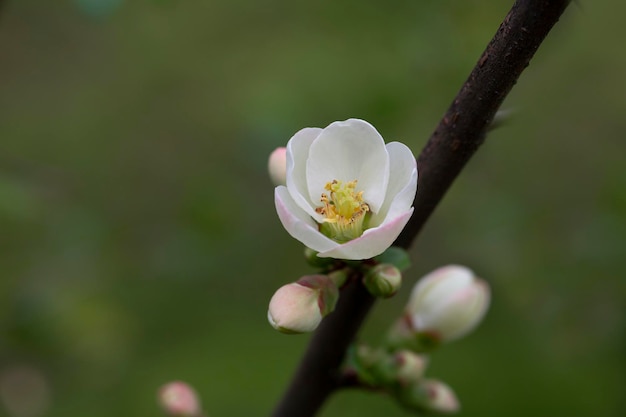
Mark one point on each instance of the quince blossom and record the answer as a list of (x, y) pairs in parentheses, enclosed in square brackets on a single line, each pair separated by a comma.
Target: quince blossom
[(348, 195)]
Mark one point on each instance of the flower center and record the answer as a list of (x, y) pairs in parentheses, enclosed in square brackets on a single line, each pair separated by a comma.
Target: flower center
[(344, 211)]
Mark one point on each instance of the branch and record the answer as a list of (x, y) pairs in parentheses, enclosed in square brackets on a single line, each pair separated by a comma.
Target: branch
[(463, 128), (458, 135)]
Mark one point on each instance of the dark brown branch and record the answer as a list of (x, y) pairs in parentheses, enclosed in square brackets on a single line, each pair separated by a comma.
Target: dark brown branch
[(463, 127), (458, 135)]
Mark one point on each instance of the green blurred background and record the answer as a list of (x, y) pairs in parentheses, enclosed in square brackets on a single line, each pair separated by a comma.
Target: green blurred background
[(138, 238)]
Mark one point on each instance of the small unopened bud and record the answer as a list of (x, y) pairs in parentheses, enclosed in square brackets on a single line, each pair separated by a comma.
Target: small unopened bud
[(179, 399), (366, 363), (448, 303), (410, 366), (311, 257), (366, 356), (379, 367), (300, 306), (429, 395), (277, 166), (383, 280)]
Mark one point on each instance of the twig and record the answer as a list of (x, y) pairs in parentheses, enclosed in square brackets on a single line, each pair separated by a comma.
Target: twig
[(458, 135), (463, 127)]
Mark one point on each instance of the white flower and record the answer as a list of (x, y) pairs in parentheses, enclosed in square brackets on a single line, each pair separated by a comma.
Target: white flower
[(348, 195), (448, 303)]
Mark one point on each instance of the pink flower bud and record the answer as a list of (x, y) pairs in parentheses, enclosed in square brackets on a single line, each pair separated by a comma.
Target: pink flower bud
[(294, 309), (439, 397), (383, 280), (410, 366), (179, 399), (277, 166), (300, 306), (448, 303), (428, 395)]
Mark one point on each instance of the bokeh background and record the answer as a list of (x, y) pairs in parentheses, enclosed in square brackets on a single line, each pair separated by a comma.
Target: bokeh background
[(138, 238)]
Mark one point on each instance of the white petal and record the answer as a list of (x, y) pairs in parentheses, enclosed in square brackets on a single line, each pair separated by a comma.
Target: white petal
[(450, 301), (297, 154), (434, 287), (402, 183), (456, 315), (371, 243), (298, 223), (346, 151)]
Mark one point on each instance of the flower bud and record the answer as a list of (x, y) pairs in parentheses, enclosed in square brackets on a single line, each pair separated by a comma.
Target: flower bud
[(429, 395), (179, 399), (383, 280), (410, 366), (401, 368), (277, 166), (379, 367), (448, 303), (315, 261), (300, 306), (365, 362)]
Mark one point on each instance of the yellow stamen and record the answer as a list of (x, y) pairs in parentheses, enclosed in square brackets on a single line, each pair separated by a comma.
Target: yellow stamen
[(344, 211)]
